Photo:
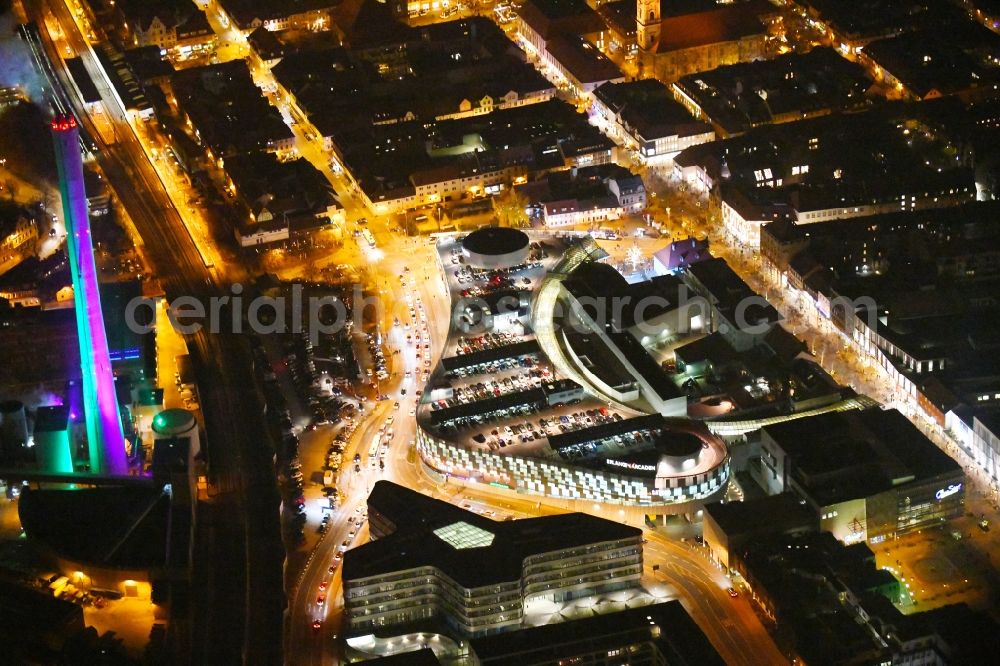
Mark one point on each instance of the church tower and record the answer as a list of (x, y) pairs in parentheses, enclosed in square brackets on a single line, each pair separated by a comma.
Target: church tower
[(647, 20)]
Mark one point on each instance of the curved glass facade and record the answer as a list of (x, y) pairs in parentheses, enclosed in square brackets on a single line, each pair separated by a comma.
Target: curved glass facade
[(559, 480)]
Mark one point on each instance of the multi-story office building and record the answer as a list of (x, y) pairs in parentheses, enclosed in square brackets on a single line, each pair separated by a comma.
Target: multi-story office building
[(432, 562), (646, 636), (653, 635)]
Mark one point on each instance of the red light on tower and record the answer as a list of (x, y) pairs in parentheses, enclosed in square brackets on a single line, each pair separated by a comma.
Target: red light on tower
[(63, 123)]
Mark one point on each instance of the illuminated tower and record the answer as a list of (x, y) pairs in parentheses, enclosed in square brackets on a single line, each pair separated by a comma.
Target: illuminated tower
[(647, 20), (105, 439)]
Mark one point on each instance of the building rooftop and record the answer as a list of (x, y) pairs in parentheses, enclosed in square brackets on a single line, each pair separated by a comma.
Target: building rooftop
[(929, 64), (266, 44), (245, 12), (124, 527), (147, 64), (846, 455), (171, 13), (712, 348), (598, 359), (837, 161), (472, 550), (495, 241), (391, 159), (228, 110), (582, 60), (731, 295), (724, 24), (925, 270), (51, 335), (648, 107), (28, 617), (738, 97), (681, 254), (421, 657), (551, 17), (800, 576), (666, 626), (52, 418), (584, 188), (766, 515), (267, 186), (434, 71), (893, 252), (125, 342), (646, 365), (78, 72), (613, 303), (882, 18)]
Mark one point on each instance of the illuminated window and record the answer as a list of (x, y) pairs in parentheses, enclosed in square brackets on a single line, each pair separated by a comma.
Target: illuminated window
[(462, 535)]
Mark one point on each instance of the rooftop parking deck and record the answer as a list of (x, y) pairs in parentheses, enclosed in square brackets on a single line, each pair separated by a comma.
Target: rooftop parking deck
[(499, 409)]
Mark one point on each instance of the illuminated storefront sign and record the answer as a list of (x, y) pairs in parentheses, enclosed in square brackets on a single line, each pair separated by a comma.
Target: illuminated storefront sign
[(630, 465), (947, 492)]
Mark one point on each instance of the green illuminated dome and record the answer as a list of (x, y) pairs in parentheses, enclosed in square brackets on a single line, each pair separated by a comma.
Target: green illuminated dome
[(173, 422)]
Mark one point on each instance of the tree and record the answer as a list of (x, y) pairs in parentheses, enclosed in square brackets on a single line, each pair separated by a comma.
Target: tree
[(510, 207)]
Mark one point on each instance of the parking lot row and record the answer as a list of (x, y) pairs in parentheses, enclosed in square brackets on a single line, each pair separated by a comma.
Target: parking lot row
[(494, 367), (544, 427), (471, 345), (495, 386), (609, 445)]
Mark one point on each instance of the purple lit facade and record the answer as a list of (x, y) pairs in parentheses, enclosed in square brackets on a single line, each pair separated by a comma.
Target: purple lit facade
[(105, 438)]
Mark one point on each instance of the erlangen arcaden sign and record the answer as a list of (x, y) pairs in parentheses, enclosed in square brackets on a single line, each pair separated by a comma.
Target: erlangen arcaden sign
[(635, 467)]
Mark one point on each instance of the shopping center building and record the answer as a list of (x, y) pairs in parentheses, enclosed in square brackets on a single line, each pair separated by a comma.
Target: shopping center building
[(649, 475), (869, 475), (641, 450)]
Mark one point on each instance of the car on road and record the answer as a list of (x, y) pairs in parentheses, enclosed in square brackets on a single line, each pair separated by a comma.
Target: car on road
[(320, 600), (317, 624), (732, 592)]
